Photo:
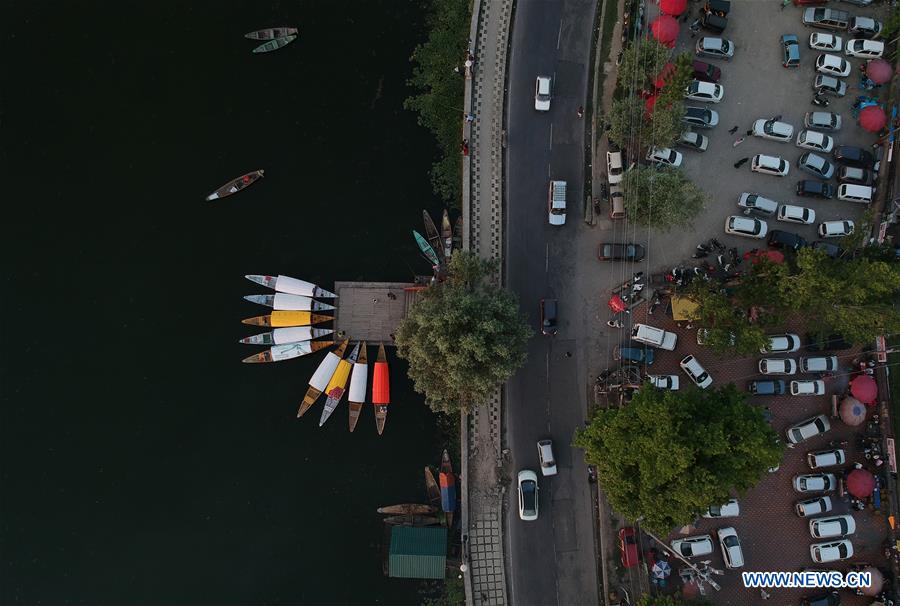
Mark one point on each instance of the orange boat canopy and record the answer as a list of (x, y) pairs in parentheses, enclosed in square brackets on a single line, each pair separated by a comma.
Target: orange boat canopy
[(381, 384)]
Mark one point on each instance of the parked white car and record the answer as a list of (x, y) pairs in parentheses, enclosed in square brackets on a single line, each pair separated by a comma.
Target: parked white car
[(831, 552), (615, 170), (825, 42), (796, 214), (808, 388), (757, 203), (542, 87), (731, 547), (833, 526), (692, 547), (664, 155), (815, 482), (704, 91), (746, 226), (528, 495), (693, 369), (777, 366), (807, 429), (664, 381), (864, 49), (832, 65), (813, 506), (731, 509), (819, 364), (654, 337), (783, 343), (826, 458), (545, 455), (770, 165), (773, 129), (694, 141), (835, 229), (816, 141)]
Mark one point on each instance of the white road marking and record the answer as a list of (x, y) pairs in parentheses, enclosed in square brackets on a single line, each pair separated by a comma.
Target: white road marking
[(559, 35), (551, 136), (547, 258)]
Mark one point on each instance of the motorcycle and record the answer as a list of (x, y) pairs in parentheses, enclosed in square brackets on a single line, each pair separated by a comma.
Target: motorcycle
[(615, 324), (735, 258), (837, 443), (821, 101), (657, 298), (700, 254), (718, 246)]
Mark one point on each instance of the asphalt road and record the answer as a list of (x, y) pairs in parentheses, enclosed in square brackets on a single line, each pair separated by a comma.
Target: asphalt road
[(552, 560)]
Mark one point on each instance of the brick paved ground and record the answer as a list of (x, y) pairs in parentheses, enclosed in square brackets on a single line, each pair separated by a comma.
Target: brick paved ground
[(772, 536)]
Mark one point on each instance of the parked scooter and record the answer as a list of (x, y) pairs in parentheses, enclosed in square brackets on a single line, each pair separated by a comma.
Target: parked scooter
[(821, 101), (654, 303)]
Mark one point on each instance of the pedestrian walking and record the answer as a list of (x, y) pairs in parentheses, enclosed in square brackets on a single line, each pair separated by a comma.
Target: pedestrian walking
[(733, 130), (783, 4), (741, 162), (738, 142), (470, 117), (464, 147)]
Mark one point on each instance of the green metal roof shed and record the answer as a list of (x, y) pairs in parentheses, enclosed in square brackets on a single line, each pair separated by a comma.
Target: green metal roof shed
[(417, 552)]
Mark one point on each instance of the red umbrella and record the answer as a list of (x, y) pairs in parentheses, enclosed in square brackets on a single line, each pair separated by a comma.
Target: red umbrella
[(879, 71), (665, 29), (772, 255), (673, 7), (860, 483), (649, 104), (872, 118), (864, 389), (663, 76), (617, 304)]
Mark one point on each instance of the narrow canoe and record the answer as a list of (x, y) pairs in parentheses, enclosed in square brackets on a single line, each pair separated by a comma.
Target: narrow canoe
[(412, 520), (358, 383), (271, 33), (434, 238), (431, 488), (446, 235), (426, 248), (282, 319), (291, 286), (408, 509), (319, 380), (273, 45), (235, 185), (338, 384), (285, 302), (457, 233), (280, 336), (288, 351), (381, 389)]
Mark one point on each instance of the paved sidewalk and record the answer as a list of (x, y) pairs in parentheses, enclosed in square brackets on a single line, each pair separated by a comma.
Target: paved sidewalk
[(482, 211)]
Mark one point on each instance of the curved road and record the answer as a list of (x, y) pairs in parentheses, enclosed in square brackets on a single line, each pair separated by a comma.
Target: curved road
[(552, 560)]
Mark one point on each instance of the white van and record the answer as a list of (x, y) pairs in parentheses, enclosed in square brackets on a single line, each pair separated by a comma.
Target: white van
[(855, 193), (556, 203), (655, 337)]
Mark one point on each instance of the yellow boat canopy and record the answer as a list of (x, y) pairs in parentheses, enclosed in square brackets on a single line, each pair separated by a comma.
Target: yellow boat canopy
[(290, 318), (683, 309), (339, 378)]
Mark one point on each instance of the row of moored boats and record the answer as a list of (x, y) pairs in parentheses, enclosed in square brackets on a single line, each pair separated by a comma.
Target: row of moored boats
[(275, 38)]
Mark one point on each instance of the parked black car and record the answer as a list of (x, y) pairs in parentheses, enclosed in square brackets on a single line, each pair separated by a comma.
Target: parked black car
[(834, 342), (706, 71), (853, 156), (548, 316), (815, 189), (829, 248), (620, 252), (786, 240), (766, 387)]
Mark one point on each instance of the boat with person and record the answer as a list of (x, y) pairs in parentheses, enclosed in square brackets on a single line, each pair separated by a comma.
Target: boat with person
[(381, 389), (446, 235), (358, 382), (457, 233), (291, 286), (338, 384), (426, 248), (412, 520), (270, 33), (408, 509), (434, 238), (274, 45), (236, 185), (287, 351), (431, 488), (280, 336), (320, 379), (285, 302), (448, 488), (285, 318)]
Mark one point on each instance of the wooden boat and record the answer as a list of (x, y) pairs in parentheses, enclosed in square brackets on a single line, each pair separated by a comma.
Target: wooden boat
[(284, 302), (408, 509), (381, 389), (426, 248), (431, 488), (291, 286), (281, 319), (319, 381), (338, 384), (412, 520), (288, 351), (358, 383), (280, 336), (271, 33), (434, 238), (273, 45), (446, 235), (235, 185), (457, 233), (448, 488)]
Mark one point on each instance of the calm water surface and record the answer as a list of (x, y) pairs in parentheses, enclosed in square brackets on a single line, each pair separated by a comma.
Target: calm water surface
[(141, 462)]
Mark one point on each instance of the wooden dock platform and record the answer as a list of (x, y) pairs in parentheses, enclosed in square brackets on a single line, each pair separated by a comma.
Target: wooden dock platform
[(371, 311)]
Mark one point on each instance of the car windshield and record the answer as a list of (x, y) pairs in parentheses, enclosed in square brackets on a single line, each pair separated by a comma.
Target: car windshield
[(820, 425), (731, 541)]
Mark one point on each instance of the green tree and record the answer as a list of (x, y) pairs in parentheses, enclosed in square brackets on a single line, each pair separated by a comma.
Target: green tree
[(642, 61), (450, 592), (661, 197), (440, 87), (727, 325), (759, 293), (463, 337), (862, 233), (854, 297), (668, 600), (669, 455), (627, 117), (666, 124)]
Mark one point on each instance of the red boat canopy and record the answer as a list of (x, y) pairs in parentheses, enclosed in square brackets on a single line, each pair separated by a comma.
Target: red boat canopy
[(381, 384)]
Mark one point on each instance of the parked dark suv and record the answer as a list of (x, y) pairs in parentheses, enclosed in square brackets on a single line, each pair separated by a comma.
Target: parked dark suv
[(766, 387), (815, 189), (548, 316), (832, 250), (785, 239), (853, 156)]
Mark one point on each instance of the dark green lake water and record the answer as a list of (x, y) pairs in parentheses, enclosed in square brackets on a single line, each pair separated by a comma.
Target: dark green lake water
[(141, 462)]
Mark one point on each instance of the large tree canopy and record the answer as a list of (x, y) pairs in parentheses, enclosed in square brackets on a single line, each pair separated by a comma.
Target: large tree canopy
[(669, 455), (642, 61), (463, 337), (661, 197)]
